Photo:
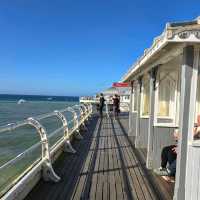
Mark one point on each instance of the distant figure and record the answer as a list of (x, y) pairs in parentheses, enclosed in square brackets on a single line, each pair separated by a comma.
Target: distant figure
[(101, 104), (116, 103)]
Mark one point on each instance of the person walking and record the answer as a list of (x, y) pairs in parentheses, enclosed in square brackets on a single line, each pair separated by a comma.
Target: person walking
[(101, 105), (116, 103)]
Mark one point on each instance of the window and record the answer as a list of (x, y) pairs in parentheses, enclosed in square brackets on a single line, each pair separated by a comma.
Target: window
[(167, 96), (145, 97)]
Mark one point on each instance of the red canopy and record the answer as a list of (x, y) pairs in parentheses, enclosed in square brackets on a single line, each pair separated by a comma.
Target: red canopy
[(121, 85)]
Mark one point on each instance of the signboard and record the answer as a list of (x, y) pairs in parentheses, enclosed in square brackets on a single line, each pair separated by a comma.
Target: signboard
[(121, 85), (122, 88)]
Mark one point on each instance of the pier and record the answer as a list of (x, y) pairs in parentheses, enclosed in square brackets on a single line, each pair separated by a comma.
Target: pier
[(106, 166), (87, 157)]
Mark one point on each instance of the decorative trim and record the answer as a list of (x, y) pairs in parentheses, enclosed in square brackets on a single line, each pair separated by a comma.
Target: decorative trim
[(179, 33), (183, 34)]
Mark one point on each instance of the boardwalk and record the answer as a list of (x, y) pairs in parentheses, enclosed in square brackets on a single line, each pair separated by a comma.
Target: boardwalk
[(105, 167)]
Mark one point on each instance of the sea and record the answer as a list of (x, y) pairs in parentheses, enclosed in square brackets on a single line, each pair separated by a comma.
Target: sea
[(14, 143)]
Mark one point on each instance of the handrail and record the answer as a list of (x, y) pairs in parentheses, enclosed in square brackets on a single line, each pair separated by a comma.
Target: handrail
[(67, 147), (48, 173)]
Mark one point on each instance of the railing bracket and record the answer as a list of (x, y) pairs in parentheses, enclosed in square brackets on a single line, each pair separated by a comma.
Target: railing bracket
[(49, 173), (83, 127), (68, 147), (78, 136)]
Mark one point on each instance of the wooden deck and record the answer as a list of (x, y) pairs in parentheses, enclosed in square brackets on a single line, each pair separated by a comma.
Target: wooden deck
[(105, 167)]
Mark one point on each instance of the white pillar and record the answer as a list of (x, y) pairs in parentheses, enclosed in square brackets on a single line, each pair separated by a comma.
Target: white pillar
[(139, 90), (153, 74), (189, 73), (131, 109)]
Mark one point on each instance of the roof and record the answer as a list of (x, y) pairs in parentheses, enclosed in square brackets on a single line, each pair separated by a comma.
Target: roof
[(119, 91), (176, 32)]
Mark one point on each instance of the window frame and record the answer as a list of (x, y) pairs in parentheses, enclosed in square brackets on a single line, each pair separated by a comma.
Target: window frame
[(173, 106)]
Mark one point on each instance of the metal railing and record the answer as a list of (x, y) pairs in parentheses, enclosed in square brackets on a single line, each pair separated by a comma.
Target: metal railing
[(70, 127)]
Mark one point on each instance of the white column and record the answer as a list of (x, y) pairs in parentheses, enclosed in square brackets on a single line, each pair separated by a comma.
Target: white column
[(131, 109), (153, 74), (189, 75)]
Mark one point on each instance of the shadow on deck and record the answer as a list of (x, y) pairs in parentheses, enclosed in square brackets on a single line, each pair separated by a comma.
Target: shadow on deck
[(106, 166)]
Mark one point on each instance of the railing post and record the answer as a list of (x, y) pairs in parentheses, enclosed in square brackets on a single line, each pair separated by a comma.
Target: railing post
[(86, 112), (48, 172), (67, 146), (88, 109), (81, 112), (75, 118), (84, 127)]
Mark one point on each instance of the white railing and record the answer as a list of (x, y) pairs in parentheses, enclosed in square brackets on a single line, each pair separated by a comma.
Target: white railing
[(70, 128)]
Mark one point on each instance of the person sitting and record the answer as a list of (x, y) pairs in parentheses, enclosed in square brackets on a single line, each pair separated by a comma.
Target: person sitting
[(169, 154), (168, 158)]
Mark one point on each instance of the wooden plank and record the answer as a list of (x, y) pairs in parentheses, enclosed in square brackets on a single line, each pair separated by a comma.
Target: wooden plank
[(135, 189), (79, 189), (95, 178), (105, 169), (111, 173), (119, 157), (144, 184), (118, 182), (73, 178), (94, 170), (99, 191)]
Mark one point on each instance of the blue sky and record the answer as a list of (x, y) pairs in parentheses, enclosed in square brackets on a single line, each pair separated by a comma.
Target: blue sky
[(78, 47)]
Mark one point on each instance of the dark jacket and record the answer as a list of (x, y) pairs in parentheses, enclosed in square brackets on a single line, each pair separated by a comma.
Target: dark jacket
[(101, 102), (116, 102)]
